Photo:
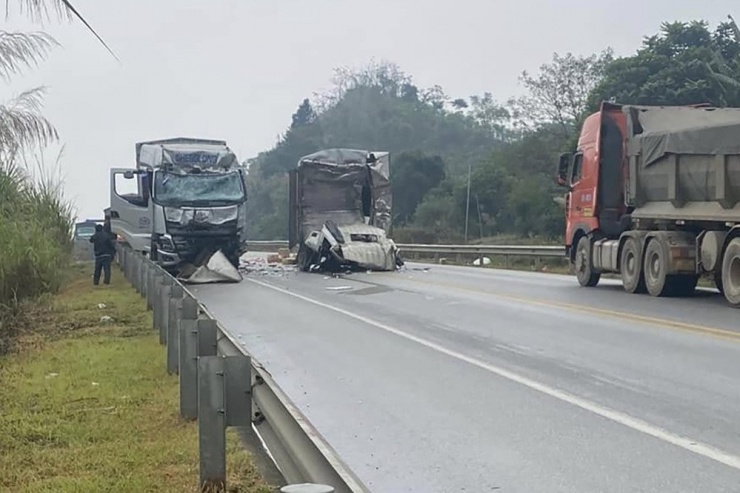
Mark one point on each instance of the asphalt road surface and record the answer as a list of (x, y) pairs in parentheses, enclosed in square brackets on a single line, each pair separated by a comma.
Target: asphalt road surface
[(457, 379)]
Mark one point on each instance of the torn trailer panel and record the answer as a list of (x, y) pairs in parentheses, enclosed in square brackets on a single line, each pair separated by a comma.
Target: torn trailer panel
[(340, 211)]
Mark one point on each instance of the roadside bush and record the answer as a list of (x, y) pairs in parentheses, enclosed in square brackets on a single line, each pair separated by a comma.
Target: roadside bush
[(35, 239)]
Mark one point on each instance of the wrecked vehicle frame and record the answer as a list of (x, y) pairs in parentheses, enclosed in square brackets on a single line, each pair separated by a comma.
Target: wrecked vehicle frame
[(340, 212)]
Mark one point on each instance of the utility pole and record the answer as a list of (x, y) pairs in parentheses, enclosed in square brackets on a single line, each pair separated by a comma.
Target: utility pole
[(467, 205)]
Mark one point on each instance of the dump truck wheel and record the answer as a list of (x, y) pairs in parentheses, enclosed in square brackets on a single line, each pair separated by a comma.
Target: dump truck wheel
[(633, 277), (731, 273), (582, 265), (655, 266)]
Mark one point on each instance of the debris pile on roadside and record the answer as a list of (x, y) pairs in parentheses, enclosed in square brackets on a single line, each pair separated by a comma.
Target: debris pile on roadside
[(271, 264)]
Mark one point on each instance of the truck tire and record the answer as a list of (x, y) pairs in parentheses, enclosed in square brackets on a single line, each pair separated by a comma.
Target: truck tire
[(630, 266), (731, 273), (582, 265), (655, 266)]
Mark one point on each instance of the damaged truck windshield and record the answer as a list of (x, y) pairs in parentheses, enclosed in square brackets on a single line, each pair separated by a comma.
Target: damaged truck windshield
[(203, 189)]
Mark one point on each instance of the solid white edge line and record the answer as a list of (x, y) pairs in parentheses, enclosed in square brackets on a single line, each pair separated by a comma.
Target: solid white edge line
[(624, 419)]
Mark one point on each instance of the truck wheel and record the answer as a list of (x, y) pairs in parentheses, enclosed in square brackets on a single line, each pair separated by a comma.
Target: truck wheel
[(633, 277), (731, 273), (655, 266), (584, 270)]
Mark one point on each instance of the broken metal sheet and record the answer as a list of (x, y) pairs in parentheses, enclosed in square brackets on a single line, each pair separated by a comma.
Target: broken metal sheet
[(368, 247), (216, 269), (355, 247), (331, 184)]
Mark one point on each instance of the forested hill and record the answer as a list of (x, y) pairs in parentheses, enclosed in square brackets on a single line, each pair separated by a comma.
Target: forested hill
[(511, 146)]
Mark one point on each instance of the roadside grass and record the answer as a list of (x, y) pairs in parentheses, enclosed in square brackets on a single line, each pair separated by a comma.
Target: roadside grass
[(86, 403)]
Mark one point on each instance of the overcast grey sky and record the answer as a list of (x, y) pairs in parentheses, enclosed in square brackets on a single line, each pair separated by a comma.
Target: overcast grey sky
[(237, 69)]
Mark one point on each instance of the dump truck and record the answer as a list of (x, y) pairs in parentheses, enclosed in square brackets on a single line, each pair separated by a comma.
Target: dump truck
[(183, 205), (340, 211), (653, 196)]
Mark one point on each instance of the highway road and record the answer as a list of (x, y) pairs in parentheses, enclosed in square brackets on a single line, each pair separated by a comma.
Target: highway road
[(454, 379)]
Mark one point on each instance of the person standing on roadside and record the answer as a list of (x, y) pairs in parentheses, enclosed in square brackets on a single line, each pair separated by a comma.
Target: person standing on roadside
[(104, 249), (107, 229)]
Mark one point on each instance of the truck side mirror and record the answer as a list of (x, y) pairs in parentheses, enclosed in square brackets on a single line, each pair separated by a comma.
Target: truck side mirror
[(561, 177), (128, 174)]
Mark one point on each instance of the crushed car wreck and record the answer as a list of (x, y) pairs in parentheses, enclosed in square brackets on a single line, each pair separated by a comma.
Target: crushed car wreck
[(340, 212)]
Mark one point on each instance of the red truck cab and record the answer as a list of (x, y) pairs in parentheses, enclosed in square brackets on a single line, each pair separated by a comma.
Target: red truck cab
[(595, 176)]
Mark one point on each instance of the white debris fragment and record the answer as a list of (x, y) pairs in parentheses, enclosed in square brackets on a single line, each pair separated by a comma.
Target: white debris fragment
[(484, 260), (106, 319), (52, 375), (101, 306)]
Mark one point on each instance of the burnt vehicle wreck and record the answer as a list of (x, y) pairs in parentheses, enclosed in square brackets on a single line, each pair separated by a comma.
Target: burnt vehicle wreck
[(340, 212)]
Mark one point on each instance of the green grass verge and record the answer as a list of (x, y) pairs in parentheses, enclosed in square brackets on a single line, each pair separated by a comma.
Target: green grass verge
[(87, 406)]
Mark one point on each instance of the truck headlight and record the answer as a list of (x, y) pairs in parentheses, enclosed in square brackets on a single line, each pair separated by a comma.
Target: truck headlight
[(173, 215), (223, 215)]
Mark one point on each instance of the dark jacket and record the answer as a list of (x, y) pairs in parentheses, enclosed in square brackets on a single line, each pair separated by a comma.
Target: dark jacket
[(103, 243)]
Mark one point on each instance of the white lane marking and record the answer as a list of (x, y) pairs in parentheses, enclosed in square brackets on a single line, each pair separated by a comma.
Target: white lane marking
[(624, 419)]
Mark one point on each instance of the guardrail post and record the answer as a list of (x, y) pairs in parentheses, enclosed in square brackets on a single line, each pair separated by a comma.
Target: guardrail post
[(207, 337), (145, 269), (130, 266), (224, 400), (172, 336), (164, 308), (122, 260), (142, 275), (158, 285), (188, 359), (238, 385), (135, 272), (211, 424), (150, 287)]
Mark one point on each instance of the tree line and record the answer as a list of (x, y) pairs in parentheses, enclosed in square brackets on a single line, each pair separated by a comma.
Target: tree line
[(509, 146)]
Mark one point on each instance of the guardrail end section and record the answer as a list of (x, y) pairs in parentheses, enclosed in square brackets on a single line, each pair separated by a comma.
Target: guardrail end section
[(307, 488)]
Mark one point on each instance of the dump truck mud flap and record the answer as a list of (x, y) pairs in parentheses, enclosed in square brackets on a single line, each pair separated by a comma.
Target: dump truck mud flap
[(217, 268)]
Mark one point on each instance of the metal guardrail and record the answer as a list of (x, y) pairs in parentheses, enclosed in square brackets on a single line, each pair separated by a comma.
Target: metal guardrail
[(416, 251), (222, 386)]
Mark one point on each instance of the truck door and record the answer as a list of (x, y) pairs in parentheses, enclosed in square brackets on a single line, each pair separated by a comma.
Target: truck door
[(581, 197), (130, 209)]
